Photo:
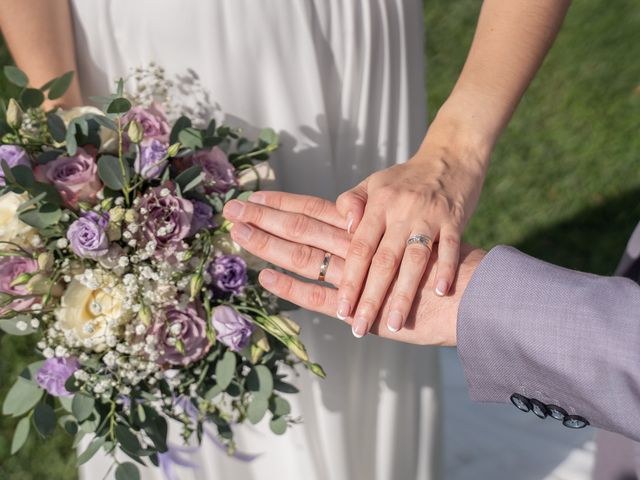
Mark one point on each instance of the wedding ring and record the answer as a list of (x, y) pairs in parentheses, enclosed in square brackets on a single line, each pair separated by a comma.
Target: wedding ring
[(325, 266), (424, 240)]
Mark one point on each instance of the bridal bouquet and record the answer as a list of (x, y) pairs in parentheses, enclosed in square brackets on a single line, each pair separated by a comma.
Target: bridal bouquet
[(114, 256)]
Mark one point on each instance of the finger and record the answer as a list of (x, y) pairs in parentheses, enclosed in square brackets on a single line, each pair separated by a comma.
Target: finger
[(351, 205), (313, 207), (309, 296), (301, 259), (383, 268), (363, 245), (414, 263), (448, 259), (291, 226)]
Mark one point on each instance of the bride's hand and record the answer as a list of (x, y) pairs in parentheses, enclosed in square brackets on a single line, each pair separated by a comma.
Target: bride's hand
[(294, 232), (432, 196)]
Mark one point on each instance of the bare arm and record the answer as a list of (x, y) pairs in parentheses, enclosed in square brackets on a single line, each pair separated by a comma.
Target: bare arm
[(39, 34)]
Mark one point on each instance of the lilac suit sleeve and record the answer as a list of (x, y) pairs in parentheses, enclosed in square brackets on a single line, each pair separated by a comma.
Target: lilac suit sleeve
[(562, 337)]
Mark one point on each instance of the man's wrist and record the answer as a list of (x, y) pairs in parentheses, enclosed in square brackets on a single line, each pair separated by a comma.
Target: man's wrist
[(470, 258)]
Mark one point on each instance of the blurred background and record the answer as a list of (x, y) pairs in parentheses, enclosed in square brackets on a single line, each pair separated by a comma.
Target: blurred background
[(564, 185)]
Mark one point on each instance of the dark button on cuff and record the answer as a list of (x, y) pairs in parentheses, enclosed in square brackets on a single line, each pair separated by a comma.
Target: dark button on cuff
[(539, 409), (575, 421), (557, 412), (522, 403)]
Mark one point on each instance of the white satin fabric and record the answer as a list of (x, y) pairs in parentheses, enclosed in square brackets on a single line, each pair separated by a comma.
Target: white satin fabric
[(342, 82)]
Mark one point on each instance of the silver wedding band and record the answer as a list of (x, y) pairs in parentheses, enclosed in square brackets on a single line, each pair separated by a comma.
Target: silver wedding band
[(422, 239), (325, 266)]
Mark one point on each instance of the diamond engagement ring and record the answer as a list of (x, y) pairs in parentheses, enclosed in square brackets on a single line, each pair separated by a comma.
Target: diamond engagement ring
[(424, 240)]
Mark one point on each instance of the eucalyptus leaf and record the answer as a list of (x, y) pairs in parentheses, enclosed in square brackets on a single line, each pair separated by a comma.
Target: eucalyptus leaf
[(127, 471), (20, 435), (105, 122), (257, 408), (278, 425), (82, 406), (44, 419), (60, 85), (127, 439), (190, 138), (91, 450), (31, 371), (226, 369), (110, 172), (260, 381), (6, 171), (213, 392), (119, 105), (31, 98), (190, 178), (180, 124), (269, 136), (66, 403), (57, 128), (8, 325), (52, 196), (70, 139), (23, 176), (279, 406), (22, 397), (284, 387), (16, 76), (41, 217)]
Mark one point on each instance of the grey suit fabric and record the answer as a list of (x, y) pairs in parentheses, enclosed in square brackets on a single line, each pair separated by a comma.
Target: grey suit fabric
[(563, 337)]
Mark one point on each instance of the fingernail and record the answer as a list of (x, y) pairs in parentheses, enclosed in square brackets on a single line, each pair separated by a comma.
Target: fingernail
[(257, 197), (233, 209), (359, 327), (267, 278), (343, 309), (349, 222), (394, 322), (242, 231), (441, 288)]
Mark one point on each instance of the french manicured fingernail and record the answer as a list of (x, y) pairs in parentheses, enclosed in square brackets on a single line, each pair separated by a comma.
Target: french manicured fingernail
[(267, 278), (233, 209), (343, 309), (359, 327), (349, 222), (257, 197), (441, 288), (394, 322), (242, 231)]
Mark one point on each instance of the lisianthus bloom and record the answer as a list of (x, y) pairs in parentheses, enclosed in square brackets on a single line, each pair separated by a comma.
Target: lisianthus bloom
[(232, 328), (219, 174), (14, 156), (88, 235), (202, 217), (151, 160), (153, 121), (54, 373), (224, 245), (12, 229), (76, 177), (228, 274), (11, 268), (181, 335)]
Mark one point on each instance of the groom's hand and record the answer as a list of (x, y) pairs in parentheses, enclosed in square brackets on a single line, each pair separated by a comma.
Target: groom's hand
[(295, 231)]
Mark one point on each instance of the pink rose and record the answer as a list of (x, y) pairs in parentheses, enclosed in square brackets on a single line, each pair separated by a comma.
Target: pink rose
[(76, 178), (10, 269), (153, 120)]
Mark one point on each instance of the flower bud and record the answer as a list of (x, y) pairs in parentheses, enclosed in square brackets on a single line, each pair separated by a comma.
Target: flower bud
[(259, 345), (173, 150), (38, 284), (14, 114), (135, 132), (296, 347), (45, 261), (288, 326), (317, 370), (180, 346), (145, 315), (196, 285), (21, 279)]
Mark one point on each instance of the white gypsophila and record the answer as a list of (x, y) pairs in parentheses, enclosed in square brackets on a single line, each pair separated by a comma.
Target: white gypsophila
[(21, 325), (48, 352)]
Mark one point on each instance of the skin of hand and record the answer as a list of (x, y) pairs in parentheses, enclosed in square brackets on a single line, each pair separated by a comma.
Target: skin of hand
[(437, 190), (39, 34), (294, 232)]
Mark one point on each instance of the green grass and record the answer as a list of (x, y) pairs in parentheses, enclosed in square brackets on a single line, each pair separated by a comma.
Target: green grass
[(564, 183)]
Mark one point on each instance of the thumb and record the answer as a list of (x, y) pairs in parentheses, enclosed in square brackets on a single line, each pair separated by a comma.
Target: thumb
[(351, 205)]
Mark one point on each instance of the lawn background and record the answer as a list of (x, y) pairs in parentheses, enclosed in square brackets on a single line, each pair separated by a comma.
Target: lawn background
[(564, 183)]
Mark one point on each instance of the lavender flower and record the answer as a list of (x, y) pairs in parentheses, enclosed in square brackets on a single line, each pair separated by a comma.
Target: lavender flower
[(11, 268), (14, 156), (88, 235), (220, 176), (228, 274), (151, 161), (54, 373), (232, 328), (202, 217)]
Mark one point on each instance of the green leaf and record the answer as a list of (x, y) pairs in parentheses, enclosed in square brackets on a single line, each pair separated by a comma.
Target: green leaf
[(127, 439), (157, 429), (190, 138), (57, 128), (22, 397), (42, 217), (6, 171), (66, 402), (268, 136), (31, 371), (284, 387), (20, 435), (70, 139), (70, 425), (110, 172), (8, 325), (31, 98), (52, 195), (120, 88), (182, 123), (190, 178), (105, 122), (257, 408), (226, 369), (23, 176), (82, 406), (119, 105), (127, 471), (44, 419), (16, 76), (213, 392), (279, 406), (60, 85), (91, 450), (260, 381), (278, 425)]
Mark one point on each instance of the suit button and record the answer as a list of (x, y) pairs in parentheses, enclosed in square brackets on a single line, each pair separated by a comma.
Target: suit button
[(521, 402), (575, 421), (557, 412), (539, 409)]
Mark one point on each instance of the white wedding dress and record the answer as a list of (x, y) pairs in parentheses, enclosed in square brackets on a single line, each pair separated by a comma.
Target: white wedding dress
[(342, 82)]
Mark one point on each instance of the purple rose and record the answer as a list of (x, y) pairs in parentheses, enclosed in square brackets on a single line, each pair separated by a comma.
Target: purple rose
[(202, 217), (10, 269), (228, 274), (181, 335), (219, 174), (88, 235), (14, 156), (151, 161), (54, 373), (166, 219), (232, 328), (76, 178), (153, 120)]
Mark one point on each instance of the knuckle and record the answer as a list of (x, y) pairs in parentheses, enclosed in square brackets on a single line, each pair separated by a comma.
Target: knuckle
[(314, 207), (316, 296), (385, 259), (360, 248), (284, 286), (260, 241), (450, 241), (402, 299), (301, 256), (296, 226), (255, 214), (368, 306), (416, 254)]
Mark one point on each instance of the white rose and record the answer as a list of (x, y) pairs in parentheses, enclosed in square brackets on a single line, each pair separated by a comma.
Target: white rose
[(108, 137), (12, 229), (224, 244), (86, 314)]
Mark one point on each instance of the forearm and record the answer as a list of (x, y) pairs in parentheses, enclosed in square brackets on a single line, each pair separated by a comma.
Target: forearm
[(39, 34)]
